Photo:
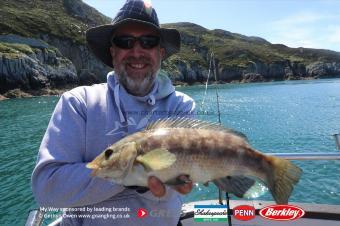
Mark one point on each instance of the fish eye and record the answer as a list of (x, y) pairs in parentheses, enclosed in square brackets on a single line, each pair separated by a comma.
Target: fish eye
[(108, 153)]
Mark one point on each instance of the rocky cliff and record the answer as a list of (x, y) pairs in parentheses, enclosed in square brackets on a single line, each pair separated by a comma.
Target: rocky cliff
[(245, 59), (42, 45), (33, 66)]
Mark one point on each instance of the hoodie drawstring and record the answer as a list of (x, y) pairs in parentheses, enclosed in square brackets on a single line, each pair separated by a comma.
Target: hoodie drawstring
[(151, 100), (117, 100), (161, 89)]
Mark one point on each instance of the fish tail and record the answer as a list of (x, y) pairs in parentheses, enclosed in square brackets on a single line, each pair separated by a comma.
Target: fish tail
[(281, 182)]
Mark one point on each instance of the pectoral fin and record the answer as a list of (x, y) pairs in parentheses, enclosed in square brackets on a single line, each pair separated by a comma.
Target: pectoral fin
[(157, 159)]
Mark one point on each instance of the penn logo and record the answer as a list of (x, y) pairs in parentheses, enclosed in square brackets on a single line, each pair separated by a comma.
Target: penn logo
[(244, 212), (282, 212)]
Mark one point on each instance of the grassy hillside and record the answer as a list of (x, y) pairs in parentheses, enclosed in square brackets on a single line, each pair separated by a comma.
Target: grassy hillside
[(237, 50), (69, 19), (61, 18), (62, 24)]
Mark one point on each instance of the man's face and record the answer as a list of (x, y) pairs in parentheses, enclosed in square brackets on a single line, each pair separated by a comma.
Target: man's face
[(137, 67)]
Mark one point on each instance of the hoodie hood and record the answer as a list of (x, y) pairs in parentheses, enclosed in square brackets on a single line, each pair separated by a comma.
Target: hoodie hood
[(161, 89)]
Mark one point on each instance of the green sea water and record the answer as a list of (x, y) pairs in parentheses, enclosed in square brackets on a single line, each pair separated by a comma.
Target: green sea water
[(290, 116)]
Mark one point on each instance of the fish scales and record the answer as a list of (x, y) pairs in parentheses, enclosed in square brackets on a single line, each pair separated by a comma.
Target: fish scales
[(205, 152), (192, 141)]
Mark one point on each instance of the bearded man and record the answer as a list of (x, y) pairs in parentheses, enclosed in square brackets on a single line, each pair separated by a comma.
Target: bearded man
[(88, 119)]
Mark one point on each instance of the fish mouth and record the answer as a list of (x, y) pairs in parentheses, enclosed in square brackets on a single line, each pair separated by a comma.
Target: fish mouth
[(94, 168), (92, 165)]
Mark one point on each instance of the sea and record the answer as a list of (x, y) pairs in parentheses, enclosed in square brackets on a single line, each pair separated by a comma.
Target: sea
[(285, 116)]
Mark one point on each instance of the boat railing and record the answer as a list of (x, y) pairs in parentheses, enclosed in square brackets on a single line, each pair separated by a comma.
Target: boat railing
[(312, 155), (308, 156)]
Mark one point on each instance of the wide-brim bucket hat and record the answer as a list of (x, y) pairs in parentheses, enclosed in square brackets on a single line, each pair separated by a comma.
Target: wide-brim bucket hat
[(137, 11)]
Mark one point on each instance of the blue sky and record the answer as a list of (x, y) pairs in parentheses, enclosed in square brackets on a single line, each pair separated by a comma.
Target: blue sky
[(295, 23)]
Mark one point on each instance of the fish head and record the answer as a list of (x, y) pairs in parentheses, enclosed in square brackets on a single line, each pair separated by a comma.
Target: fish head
[(115, 162)]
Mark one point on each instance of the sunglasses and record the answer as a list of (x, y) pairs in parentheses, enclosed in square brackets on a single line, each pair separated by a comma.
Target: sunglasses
[(128, 42)]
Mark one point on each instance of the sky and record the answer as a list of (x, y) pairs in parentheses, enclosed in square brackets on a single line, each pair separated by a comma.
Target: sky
[(295, 23)]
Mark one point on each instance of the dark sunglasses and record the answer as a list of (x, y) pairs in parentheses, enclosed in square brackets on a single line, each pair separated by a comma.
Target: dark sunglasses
[(128, 42)]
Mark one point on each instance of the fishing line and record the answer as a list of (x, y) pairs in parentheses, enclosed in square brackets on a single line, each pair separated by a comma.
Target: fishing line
[(207, 82), (216, 90), (212, 68)]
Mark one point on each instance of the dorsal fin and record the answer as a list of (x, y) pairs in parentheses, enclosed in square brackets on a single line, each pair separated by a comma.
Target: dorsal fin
[(183, 122)]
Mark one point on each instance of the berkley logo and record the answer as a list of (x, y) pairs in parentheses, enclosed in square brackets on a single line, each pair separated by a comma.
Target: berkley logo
[(282, 212), (244, 212)]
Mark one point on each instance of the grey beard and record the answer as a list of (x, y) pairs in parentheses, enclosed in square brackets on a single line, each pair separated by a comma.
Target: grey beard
[(138, 87)]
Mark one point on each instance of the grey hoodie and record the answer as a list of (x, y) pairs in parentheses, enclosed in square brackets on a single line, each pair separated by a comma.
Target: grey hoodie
[(85, 121)]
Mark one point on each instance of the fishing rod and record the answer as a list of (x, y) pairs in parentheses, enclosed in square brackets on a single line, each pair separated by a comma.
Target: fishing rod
[(219, 121), (212, 67)]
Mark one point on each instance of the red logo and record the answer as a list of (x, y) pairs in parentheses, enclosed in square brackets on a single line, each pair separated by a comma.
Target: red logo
[(141, 213), (244, 212), (282, 212)]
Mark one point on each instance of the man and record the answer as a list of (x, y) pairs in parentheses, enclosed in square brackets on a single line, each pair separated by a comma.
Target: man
[(86, 120)]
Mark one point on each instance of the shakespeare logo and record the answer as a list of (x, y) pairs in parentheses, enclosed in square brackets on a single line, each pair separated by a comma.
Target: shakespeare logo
[(211, 213)]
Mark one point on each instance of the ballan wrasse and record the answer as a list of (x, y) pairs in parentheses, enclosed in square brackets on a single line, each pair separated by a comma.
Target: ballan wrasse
[(204, 151)]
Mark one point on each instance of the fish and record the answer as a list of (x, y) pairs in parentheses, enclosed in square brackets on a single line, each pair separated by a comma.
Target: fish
[(205, 152)]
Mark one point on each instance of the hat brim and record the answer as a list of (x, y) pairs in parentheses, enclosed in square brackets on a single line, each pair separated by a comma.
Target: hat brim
[(98, 39)]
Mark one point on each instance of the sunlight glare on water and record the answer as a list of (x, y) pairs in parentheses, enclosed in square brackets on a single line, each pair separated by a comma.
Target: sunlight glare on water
[(293, 116), (288, 116)]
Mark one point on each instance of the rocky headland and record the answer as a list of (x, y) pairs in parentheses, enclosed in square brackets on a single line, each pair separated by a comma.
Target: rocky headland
[(43, 52)]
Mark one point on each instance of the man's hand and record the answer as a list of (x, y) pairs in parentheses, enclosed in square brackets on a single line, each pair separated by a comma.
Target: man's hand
[(158, 189)]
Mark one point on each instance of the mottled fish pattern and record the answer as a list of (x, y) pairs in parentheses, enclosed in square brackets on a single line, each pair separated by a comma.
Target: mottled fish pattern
[(204, 151)]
